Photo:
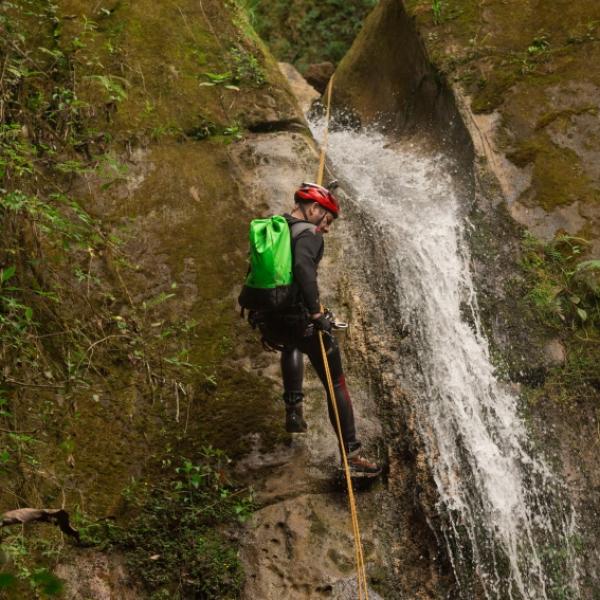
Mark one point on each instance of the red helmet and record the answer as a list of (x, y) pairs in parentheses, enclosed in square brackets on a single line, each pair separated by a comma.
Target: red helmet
[(311, 192)]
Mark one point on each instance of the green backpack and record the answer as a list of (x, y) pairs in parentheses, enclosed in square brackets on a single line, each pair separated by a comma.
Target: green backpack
[(268, 286)]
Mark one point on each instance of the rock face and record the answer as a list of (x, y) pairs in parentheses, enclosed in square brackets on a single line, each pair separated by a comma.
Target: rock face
[(386, 80), (318, 75), (510, 92), (185, 167), (305, 93), (299, 542), (531, 96), (528, 99), (205, 135)]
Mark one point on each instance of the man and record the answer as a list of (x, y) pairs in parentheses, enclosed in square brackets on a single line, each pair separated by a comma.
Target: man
[(295, 330)]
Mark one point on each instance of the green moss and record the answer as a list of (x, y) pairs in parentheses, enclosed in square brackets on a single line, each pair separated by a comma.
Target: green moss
[(526, 152), (566, 114), (516, 59), (491, 92), (343, 563), (557, 176), (235, 409), (142, 358)]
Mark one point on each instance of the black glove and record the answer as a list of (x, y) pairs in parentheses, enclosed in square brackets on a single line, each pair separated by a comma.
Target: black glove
[(322, 323)]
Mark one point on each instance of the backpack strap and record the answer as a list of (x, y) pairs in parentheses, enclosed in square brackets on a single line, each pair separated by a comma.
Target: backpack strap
[(300, 227)]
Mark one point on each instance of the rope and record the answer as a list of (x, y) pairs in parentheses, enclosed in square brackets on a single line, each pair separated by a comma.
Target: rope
[(363, 590)]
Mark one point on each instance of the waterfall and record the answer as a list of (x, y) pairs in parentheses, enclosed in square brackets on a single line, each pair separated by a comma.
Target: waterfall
[(508, 528)]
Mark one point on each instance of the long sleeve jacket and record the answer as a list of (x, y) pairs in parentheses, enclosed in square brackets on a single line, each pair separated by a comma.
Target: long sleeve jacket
[(307, 252)]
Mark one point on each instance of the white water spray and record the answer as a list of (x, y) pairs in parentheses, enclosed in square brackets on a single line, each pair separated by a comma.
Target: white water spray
[(507, 525)]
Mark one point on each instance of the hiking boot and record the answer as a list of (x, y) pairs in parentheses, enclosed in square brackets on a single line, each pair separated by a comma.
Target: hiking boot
[(361, 467), (294, 420)]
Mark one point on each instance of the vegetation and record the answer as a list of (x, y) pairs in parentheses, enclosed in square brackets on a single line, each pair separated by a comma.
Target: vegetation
[(305, 32), (564, 293), (42, 124), (436, 7), (99, 371), (172, 542), (180, 541), (566, 290)]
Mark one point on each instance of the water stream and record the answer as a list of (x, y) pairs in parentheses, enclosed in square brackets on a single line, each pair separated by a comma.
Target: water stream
[(508, 530)]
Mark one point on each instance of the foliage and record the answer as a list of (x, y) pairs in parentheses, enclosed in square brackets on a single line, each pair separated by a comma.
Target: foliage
[(180, 539), (247, 67), (565, 290), (44, 141), (63, 301), (436, 7), (564, 293), (181, 543), (225, 79), (540, 44), (251, 8), (23, 579), (113, 86), (306, 32)]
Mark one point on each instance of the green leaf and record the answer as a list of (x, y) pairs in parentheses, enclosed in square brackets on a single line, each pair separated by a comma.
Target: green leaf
[(162, 297), (7, 580), (588, 265), (6, 274), (47, 582), (582, 314)]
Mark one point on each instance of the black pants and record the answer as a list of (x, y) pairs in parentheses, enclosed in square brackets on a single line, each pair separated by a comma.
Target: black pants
[(292, 368)]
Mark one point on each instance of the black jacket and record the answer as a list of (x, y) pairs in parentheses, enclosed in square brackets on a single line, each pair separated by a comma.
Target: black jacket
[(307, 252)]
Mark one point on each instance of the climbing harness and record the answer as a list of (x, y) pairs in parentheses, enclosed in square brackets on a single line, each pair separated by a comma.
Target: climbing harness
[(363, 591)]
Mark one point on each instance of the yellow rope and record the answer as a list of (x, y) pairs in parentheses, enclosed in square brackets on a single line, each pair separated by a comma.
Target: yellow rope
[(363, 591), (360, 564)]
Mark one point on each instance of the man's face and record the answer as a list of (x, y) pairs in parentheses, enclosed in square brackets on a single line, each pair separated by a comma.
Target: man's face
[(320, 217)]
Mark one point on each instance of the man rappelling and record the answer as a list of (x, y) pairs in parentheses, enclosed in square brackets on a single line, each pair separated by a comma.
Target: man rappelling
[(286, 307)]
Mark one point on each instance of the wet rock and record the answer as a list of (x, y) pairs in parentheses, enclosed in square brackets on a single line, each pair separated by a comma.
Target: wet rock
[(305, 93), (319, 74), (555, 352)]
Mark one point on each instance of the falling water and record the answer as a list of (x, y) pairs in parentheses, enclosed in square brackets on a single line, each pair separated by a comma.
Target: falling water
[(507, 526)]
